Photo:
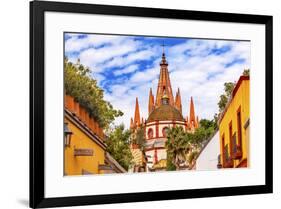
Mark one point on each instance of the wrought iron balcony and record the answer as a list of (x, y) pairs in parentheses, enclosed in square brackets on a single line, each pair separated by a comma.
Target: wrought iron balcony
[(237, 154), (236, 148), (228, 161)]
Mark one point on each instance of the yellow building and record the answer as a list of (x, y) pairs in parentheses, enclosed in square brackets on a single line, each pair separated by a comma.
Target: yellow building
[(234, 127), (84, 147)]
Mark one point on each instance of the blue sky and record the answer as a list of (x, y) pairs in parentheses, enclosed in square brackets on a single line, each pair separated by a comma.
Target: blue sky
[(127, 66)]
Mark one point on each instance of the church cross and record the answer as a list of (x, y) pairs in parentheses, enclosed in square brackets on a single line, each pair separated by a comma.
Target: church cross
[(163, 45)]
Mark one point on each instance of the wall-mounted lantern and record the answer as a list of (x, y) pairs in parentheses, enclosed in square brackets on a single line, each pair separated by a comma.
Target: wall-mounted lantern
[(219, 165), (67, 135)]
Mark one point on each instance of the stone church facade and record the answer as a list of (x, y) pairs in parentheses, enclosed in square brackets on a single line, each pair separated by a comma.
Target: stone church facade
[(164, 111)]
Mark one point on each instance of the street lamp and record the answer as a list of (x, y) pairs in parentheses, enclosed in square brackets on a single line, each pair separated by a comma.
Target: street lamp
[(219, 165), (67, 135)]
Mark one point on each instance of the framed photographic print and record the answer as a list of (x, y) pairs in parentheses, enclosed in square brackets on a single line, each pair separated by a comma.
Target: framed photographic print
[(135, 104)]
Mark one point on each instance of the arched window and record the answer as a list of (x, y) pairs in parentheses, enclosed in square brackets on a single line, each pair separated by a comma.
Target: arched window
[(150, 133), (165, 131)]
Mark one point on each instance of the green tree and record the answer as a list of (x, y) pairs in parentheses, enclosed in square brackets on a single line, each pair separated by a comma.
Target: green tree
[(200, 136), (206, 124), (140, 137), (118, 145), (216, 119), (192, 156), (246, 72), (209, 126), (185, 146), (170, 165), (177, 146), (222, 102), (228, 88), (79, 84)]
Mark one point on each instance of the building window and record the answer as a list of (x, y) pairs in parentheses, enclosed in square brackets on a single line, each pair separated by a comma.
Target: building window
[(230, 138), (234, 144), (165, 131), (222, 149), (228, 162), (150, 133), (239, 127)]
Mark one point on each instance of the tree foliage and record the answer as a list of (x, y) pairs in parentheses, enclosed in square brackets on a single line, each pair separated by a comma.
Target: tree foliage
[(118, 145), (228, 87), (246, 72), (177, 146), (140, 137), (206, 129), (192, 156), (185, 146), (170, 165), (80, 85)]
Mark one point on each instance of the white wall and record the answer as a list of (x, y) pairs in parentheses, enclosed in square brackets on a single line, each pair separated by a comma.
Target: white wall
[(208, 158), (152, 125), (14, 91), (161, 154)]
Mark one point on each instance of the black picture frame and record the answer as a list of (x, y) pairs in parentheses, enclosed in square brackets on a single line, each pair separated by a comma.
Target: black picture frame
[(37, 195)]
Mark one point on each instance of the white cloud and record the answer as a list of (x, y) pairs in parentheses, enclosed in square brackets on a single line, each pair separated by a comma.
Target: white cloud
[(193, 68), (129, 69), (93, 57), (99, 77), (76, 44), (121, 61)]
